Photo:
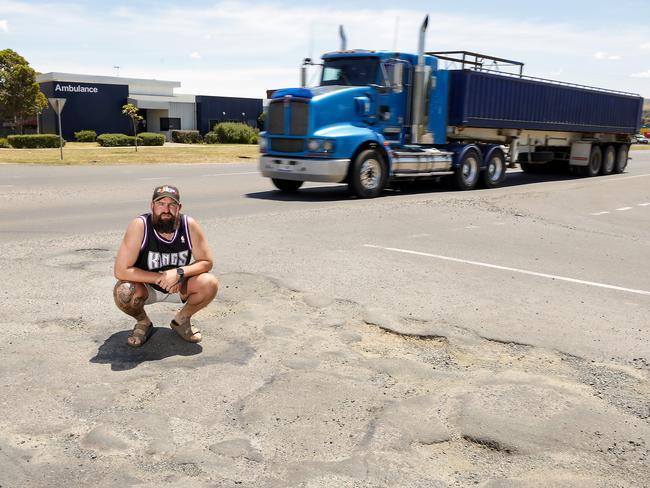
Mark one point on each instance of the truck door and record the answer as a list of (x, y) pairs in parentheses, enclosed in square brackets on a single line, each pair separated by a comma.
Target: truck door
[(392, 102)]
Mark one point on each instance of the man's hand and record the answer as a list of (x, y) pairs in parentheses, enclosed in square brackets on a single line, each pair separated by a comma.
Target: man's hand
[(169, 281)]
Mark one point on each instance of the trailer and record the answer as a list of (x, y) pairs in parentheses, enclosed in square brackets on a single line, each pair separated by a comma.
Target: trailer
[(378, 117)]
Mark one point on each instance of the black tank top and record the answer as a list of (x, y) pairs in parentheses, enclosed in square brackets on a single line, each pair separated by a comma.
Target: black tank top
[(159, 254)]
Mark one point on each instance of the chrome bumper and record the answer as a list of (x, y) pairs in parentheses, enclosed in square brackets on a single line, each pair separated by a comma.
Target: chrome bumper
[(303, 169)]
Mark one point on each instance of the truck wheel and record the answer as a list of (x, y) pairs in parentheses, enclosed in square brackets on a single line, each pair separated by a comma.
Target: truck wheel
[(595, 162), (609, 160), (468, 171), (368, 174), (495, 172), (621, 158), (288, 186)]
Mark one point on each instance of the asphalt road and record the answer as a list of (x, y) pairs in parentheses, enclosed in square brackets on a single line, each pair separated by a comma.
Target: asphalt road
[(532, 298), (482, 253)]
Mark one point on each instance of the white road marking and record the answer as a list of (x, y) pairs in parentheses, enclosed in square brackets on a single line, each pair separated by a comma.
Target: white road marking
[(472, 227), (6, 186), (499, 223), (233, 174), (419, 235), (643, 204), (623, 209), (599, 213), (513, 270), (617, 178)]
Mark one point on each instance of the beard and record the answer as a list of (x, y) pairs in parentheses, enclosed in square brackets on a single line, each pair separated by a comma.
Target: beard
[(166, 225)]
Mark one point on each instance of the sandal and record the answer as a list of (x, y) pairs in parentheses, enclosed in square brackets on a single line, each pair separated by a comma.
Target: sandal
[(187, 331), (140, 334)]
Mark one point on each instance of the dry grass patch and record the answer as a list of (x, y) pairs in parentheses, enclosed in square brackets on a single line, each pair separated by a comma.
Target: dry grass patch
[(91, 153)]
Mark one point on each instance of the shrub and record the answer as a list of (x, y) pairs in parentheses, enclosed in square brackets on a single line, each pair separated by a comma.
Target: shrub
[(235, 133), (34, 141), (4, 142), (151, 139), (211, 138), (186, 136), (85, 136), (114, 140)]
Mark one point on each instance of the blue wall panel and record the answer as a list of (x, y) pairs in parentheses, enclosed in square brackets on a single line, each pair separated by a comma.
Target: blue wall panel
[(479, 99), (88, 106), (210, 110)]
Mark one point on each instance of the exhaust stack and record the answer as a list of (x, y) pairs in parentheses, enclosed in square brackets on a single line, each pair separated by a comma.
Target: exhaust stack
[(421, 87), (344, 40)]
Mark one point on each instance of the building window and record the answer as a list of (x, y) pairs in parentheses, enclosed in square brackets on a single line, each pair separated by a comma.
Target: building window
[(170, 123)]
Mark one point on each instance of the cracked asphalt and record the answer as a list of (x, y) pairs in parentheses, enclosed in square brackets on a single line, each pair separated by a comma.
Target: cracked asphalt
[(326, 362)]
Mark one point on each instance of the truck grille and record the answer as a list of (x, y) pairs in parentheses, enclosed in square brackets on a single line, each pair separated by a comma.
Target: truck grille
[(287, 145), (297, 111), (276, 118)]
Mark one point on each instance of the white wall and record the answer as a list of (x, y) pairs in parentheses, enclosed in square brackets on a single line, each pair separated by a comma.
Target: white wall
[(186, 112), (153, 119)]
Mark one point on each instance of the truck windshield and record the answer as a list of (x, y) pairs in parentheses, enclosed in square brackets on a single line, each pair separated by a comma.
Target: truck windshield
[(350, 71)]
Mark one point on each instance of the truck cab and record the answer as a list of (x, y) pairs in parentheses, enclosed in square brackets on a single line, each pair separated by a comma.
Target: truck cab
[(344, 129)]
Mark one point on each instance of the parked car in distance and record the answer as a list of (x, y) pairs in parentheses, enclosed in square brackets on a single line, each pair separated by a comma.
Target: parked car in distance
[(640, 139)]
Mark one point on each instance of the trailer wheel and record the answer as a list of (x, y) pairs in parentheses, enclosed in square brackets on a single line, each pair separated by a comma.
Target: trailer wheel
[(621, 158), (595, 162), (368, 174), (609, 160), (495, 172), (288, 186), (468, 171)]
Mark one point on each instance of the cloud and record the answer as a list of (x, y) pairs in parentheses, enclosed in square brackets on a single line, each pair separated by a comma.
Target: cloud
[(4, 25), (643, 74), (606, 56), (645, 45), (195, 55)]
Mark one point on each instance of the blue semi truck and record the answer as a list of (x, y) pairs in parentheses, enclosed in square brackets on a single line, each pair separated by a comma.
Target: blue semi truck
[(378, 117)]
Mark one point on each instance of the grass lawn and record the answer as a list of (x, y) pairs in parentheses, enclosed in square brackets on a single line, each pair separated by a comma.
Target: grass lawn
[(92, 153), (640, 147)]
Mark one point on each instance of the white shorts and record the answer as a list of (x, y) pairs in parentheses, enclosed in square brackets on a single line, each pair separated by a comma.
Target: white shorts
[(156, 296)]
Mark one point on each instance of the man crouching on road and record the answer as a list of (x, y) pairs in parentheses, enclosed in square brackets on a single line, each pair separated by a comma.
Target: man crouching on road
[(154, 265)]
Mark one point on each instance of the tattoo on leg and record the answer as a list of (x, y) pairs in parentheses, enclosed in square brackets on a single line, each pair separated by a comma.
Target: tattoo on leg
[(123, 292), (125, 299)]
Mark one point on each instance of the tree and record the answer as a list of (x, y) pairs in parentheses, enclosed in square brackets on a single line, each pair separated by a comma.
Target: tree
[(131, 111), (20, 95)]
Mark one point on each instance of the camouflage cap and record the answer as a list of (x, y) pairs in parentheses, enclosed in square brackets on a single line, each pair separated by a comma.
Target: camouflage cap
[(166, 191)]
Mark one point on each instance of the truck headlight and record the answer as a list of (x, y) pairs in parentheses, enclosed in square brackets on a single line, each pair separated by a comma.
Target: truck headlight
[(320, 145), (263, 142), (314, 145)]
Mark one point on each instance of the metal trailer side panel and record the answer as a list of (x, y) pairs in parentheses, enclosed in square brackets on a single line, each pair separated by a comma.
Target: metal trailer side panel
[(480, 99)]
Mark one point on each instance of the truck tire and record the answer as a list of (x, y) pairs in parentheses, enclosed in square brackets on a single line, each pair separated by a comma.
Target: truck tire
[(621, 158), (609, 160), (595, 162), (287, 186), (468, 170), (495, 171), (368, 174)]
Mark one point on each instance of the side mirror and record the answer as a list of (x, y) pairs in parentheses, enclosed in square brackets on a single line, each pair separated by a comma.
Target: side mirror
[(397, 75)]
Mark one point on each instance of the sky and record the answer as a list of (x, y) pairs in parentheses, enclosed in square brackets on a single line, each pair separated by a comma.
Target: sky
[(243, 48)]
